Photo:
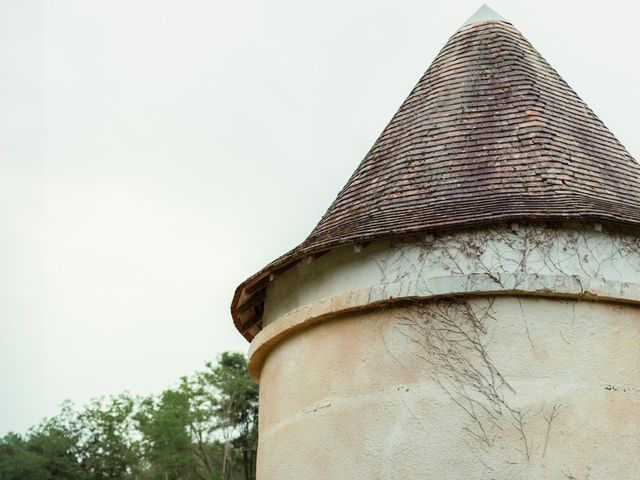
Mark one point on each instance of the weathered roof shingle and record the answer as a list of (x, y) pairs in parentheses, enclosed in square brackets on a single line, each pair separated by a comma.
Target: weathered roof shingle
[(491, 133)]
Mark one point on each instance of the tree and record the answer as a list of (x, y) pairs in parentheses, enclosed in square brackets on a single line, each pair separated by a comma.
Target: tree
[(19, 462), (48, 451), (166, 424), (56, 441), (108, 446), (203, 428), (206, 427), (236, 410)]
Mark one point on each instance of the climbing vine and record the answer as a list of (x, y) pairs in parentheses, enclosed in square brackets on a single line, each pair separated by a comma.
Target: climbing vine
[(453, 334)]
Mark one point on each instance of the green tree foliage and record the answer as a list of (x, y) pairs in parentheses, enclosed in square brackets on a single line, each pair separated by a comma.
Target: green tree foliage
[(18, 460), (48, 451), (108, 446), (166, 444), (56, 441), (235, 408), (203, 428)]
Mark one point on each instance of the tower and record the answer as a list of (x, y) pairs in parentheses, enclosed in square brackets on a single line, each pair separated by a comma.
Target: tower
[(469, 305)]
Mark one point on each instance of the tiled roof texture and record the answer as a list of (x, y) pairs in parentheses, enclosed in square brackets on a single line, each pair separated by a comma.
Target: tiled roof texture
[(491, 133), (490, 130)]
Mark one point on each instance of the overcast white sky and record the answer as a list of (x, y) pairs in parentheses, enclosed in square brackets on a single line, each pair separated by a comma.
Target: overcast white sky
[(153, 154)]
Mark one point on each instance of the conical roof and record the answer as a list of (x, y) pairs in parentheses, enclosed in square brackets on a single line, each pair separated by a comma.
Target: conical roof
[(491, 133)]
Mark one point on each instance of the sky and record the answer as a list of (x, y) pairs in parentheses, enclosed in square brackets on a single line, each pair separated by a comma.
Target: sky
[(154, 154)]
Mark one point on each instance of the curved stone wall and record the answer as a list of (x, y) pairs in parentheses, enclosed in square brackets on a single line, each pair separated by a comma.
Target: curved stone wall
[(509, 352), (504, 388), (416, 266)]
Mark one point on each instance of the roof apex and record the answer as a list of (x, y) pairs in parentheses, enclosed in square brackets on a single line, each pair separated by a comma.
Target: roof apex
[(485, 14)]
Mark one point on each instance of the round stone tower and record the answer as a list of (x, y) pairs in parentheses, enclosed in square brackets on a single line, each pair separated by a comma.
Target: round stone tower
[(469, 305)]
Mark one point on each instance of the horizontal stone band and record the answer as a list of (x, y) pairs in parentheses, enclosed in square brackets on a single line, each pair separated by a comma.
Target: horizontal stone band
[(558, 286)]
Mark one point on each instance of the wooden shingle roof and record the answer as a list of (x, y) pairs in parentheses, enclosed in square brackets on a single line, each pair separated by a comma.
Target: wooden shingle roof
[(491, 133)]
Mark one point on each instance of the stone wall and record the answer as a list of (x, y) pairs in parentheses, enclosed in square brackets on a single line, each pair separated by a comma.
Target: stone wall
[(509, 352)]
